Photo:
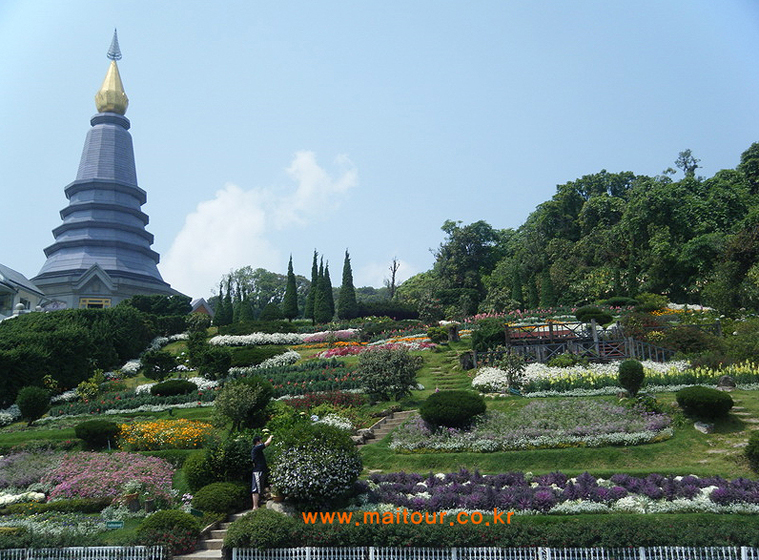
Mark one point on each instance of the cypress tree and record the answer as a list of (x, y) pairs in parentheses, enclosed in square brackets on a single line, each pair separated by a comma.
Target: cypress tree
[(347, 306), (533, 299), (224, 312), (322, 312), (290, 301), (328, 293), (308, 312), (516, 288), (547, 293)]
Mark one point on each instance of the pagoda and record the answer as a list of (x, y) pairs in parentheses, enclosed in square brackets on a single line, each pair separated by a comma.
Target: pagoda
[(101, 254)]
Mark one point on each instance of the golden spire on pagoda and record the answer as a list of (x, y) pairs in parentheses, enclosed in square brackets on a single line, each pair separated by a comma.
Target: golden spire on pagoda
[(111, 97)]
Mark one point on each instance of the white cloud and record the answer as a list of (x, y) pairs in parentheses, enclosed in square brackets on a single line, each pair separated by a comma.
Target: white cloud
[(231, 230)]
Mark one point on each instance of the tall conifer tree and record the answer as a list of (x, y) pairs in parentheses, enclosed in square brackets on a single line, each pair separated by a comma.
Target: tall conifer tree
[(328, 293), (347, 306), (290, 301), (308, 312), (322, 313)]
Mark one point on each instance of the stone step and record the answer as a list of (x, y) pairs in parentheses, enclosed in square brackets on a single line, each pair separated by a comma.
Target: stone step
[(218, 533), (211, 544), (200, 555)]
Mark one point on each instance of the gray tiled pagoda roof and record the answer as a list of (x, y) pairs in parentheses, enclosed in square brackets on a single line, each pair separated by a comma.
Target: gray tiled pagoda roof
[(103, 223), (12, 278)]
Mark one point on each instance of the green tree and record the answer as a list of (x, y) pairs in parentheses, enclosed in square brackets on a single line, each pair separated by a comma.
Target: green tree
[(290, 301), (323, 312), (313, 291), (347, 306), (388, 373)]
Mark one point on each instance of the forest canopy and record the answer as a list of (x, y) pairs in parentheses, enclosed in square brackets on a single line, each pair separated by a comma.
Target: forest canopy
[(693, 240)]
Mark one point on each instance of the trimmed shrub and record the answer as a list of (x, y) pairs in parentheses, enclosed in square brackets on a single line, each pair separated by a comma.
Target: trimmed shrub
[(33, 402), (488, 333), (173, 387), (222, 497), (587, 313), (261, 529), (619, 301), (177, 530), (454, 409), (438, 335), (73, 505), (567, 359), (214, 362), (314, 465), (752, 451), (704, 402), (157, 364), (198, 471), (631, 376), (97, 433), (254, 355)]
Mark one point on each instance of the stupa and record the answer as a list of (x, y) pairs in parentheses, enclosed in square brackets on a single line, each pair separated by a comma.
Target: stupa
[(101, 254)]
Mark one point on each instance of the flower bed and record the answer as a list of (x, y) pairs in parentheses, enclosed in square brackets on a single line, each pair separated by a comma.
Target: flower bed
[(539, 424), (128, 400), (556, 493), (541, 380), (164, 434), (256, 339), (19, 470), (101, 475), (409, 343)]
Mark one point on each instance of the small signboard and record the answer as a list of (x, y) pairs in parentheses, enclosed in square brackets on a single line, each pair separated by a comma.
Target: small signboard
[(114, 524), (196, 512)]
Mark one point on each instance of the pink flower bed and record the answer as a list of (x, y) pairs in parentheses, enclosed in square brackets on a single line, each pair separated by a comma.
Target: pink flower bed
[(354, 350), (100, 475), (325, 336)]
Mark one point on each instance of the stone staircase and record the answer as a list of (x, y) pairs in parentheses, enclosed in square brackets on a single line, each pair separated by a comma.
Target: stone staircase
[(387, 425), (211, 541)]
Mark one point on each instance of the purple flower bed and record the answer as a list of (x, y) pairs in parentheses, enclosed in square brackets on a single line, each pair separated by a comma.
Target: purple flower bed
[(517, 491), (19, 470), (539, 424), (100, 475)]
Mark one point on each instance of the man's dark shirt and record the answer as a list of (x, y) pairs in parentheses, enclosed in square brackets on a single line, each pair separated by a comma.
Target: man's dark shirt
[(259, 459)]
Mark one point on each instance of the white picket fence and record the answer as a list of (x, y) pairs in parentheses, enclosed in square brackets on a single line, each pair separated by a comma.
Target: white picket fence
[(85, 553), (492, 553)]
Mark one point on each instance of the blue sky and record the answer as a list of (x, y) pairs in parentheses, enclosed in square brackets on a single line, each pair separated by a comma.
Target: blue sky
[(263, 129)]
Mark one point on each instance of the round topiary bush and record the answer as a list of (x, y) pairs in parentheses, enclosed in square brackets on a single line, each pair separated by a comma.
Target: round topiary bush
[(97, 433), (157, 364), (33, 402), (222, 497), (173, 387), (752, 451), (454, 409), (177, 530), (704, 402), (198, 471), (262, 529), (631, 376), (314, 464)]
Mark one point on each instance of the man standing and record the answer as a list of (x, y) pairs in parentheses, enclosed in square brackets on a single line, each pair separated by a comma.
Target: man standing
[(260, 470)]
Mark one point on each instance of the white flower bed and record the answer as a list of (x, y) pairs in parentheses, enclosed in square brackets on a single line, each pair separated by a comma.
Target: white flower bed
[(336, 421), (7, 498), (491, 380), (9, 415), (256, 339)]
